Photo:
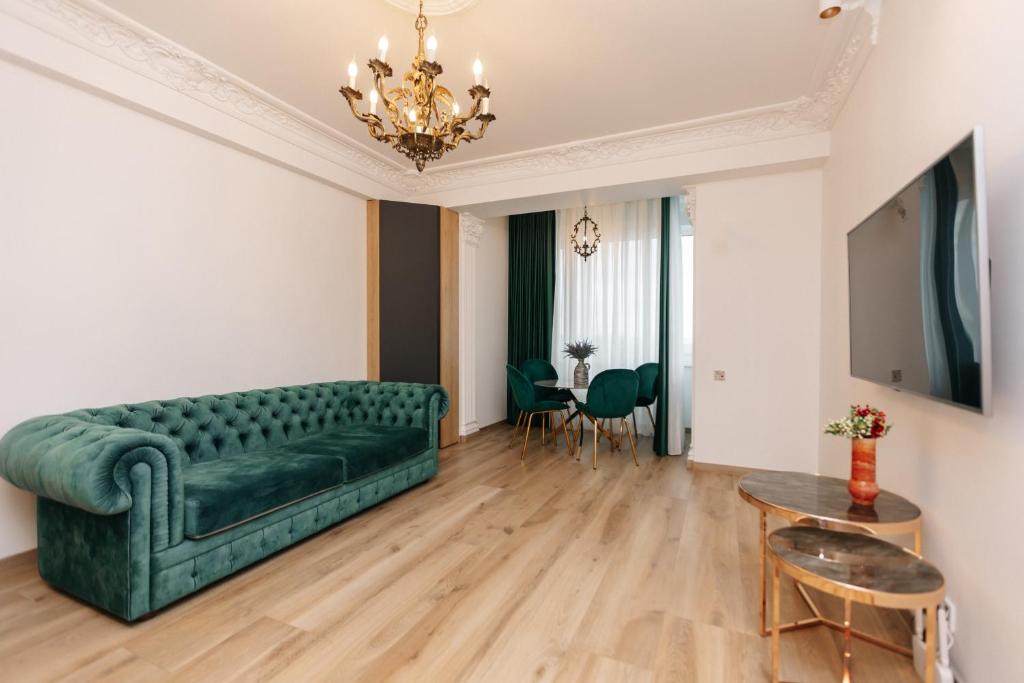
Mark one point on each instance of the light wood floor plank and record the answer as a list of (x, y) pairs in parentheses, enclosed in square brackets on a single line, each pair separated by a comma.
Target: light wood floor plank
[(499, 569)]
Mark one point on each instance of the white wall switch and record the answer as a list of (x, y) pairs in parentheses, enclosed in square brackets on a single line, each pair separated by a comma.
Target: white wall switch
[(719, 375)]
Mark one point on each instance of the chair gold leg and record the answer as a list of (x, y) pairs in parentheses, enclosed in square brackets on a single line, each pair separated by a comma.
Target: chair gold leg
[(543, 440), (565, 432), (526, 439), (597, 431), (632, 441), (650, 415), (515, 432), (578, 438)]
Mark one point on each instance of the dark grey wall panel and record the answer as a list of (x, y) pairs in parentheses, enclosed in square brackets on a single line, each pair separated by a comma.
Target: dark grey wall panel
[(410, 293)]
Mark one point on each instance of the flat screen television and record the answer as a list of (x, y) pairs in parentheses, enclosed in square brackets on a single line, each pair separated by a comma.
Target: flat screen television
[(919, 285)]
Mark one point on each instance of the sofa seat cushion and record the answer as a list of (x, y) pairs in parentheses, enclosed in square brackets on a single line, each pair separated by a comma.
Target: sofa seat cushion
[(365, 448), (232, 489)]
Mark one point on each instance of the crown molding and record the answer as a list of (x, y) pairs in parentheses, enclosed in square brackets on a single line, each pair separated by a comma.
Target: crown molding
[(807, 114), (91, 25), (103, 31)]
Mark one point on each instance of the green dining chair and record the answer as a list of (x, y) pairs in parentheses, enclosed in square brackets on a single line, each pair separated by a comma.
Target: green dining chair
[(648, 394), (612, 395), (529, 406), (537, 369)]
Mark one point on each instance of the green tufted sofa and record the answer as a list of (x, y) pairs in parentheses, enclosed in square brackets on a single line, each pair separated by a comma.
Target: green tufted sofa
[(140, 505)]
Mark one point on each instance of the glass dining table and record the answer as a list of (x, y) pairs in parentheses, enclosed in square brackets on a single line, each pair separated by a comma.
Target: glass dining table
[(579, 393)]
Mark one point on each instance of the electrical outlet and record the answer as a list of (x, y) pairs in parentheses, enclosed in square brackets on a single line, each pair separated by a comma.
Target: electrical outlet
[(719, 375), (897, 376)]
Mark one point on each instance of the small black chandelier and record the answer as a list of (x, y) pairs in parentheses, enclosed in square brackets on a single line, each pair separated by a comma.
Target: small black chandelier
[(587, 249)]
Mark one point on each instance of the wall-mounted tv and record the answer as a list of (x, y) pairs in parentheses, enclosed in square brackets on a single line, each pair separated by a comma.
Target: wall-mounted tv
[(919, 285)]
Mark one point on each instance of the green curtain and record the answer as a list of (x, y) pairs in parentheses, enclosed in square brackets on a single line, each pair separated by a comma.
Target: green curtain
[(531, 289), (664, 304)]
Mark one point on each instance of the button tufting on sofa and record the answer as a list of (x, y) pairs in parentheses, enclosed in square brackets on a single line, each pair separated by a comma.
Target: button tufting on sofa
[(186, 435)]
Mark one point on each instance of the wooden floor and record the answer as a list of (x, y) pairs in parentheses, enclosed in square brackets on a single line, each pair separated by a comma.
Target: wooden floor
[(496, 570)]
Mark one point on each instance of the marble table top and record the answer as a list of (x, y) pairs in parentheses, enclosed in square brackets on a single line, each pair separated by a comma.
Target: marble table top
[(855, 560), (824, 498)]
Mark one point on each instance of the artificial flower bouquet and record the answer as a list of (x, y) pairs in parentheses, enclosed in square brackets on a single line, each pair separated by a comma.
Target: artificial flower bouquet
[(863, 422)]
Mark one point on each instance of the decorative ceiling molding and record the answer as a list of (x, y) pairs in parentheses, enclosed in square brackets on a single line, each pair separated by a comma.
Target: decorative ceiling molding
[(873, 9), (472, 228), (101, 30), (690, 203), (93, 26), (432, 8), (804, 115)]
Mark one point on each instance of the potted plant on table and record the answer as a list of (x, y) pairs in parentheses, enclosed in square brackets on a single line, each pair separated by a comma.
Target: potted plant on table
[(863, 426), (581, 351)]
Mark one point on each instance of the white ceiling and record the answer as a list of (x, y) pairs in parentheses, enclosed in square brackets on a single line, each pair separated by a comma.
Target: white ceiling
[(559, 70)]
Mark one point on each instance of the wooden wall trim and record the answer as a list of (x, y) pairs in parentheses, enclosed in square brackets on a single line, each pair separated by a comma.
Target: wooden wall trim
[(373, 290), (450, 237)]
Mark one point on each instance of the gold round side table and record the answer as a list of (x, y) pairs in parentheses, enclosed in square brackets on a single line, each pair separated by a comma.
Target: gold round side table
[(855, 568), (810, 499)]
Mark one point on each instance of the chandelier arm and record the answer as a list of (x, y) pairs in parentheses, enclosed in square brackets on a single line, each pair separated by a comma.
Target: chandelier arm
[(477, 93), (469, 136), (353, 96), (389, 101), (460, 121)]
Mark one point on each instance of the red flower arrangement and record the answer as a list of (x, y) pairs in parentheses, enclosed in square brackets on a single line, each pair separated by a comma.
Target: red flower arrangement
[(863, 422), (864, 425)]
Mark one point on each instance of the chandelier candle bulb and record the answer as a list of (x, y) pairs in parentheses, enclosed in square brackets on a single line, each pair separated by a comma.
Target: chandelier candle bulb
[(455, 109), (353, 71), (431, 48), (382, 49), (374, 98), (478, 71)]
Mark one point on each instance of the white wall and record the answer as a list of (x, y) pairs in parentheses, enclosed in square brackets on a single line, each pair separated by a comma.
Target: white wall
[(491, 321), (939, 70), (757, 269), (139, 261)]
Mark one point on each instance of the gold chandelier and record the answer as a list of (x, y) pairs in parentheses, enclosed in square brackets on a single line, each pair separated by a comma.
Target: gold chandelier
[(425, 116)]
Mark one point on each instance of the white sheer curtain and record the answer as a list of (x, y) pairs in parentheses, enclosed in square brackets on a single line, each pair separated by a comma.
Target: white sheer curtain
[(613, 298), (687, 325)]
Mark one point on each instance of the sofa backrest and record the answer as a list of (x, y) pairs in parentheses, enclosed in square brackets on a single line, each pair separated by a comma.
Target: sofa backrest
[(208, 427)]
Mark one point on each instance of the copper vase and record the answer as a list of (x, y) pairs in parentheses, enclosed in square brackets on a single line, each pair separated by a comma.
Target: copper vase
[(862, 484)]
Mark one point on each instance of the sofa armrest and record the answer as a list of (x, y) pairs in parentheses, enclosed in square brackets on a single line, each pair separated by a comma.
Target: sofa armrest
[(402, 403), (89, 466)]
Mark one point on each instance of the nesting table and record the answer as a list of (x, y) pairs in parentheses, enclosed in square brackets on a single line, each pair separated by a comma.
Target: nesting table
[(855, 568), (818, 505)]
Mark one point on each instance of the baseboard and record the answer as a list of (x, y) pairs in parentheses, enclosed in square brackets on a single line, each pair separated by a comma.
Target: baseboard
[(468, 429), (712, 467)]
